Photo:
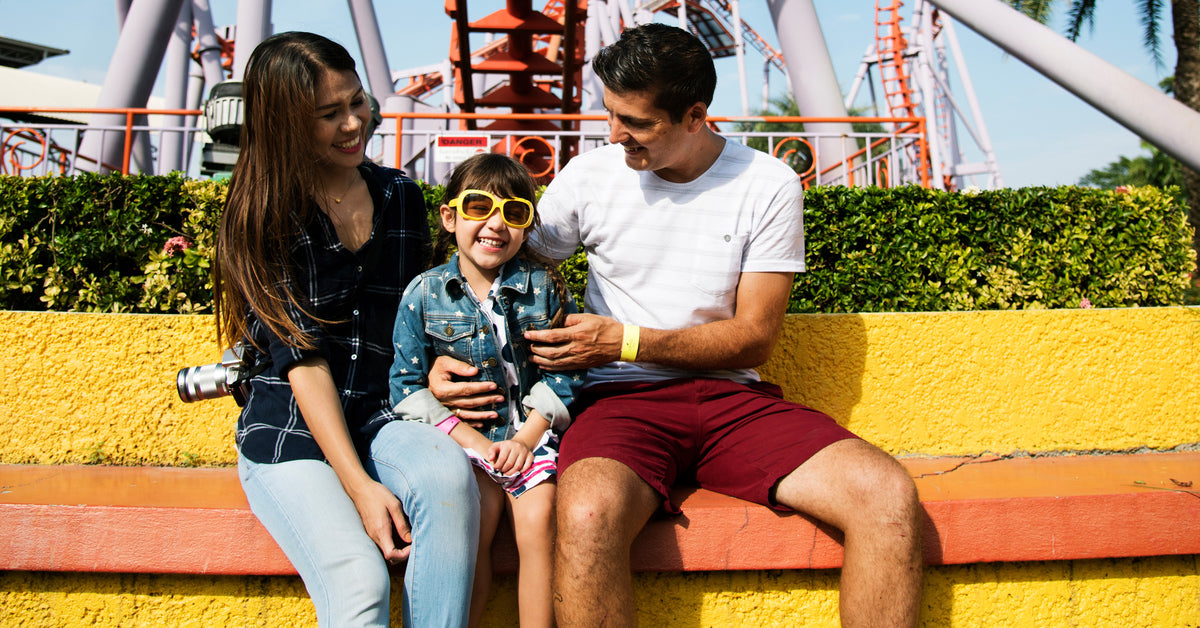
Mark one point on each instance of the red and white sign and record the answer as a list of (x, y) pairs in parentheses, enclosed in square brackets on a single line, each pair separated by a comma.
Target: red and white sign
[(453, 149)]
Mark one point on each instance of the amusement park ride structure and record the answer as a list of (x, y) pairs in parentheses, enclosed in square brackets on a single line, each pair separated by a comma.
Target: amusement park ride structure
[(525, 60)]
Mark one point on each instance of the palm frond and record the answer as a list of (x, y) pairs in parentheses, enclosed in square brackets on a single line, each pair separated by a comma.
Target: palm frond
[(1038, 10), (1081, 12), (1151, 12)]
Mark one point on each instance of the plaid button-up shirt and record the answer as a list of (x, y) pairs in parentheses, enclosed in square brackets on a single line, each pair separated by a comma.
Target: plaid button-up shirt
[(360, 291)]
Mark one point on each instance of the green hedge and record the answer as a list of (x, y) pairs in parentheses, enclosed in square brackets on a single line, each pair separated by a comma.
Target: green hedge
[(142, 243), (96, 243), (912, 249)]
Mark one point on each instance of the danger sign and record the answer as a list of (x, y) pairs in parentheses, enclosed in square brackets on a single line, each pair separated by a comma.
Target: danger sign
[(455, 148)]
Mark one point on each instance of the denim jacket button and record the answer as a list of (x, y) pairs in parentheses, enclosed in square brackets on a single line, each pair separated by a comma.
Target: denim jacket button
[(449, 330), (490, 362)]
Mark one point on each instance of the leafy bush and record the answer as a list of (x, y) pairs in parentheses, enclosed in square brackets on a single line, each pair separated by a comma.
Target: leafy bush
[(178, 278), (81, 243), (913, 249), (143, 244)]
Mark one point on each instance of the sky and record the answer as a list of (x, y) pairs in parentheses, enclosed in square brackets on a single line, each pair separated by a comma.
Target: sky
[(1042, 135)]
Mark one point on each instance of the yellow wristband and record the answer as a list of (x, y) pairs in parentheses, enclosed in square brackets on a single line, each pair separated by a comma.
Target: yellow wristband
[(629, 343)]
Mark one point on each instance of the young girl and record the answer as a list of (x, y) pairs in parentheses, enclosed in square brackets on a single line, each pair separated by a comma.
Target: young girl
[(475, 308), (314, 250)]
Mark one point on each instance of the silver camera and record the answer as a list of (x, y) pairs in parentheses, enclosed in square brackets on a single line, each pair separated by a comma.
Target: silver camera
[(210, 381)]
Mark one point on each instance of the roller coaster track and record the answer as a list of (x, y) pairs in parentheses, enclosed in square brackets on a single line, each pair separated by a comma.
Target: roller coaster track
[(891, 48), (712, 21)]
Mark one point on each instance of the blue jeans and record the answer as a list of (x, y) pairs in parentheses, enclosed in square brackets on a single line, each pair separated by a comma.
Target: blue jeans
[(308, 513)]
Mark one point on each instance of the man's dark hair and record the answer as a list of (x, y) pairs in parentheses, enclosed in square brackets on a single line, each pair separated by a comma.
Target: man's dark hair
[(665, 60)]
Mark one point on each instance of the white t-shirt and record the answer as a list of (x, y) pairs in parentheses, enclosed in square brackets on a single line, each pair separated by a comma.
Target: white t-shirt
[(669, 255)]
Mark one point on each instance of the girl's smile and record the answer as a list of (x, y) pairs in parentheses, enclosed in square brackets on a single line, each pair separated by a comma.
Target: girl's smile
[(483, 246)]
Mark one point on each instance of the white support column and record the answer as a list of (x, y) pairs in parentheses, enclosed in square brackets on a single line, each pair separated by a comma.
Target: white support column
[(179, 61), (133, 68), (1156, 117), (370, 43), (206, 39), (813, 82), (740, 47), (927, 86), (981, 136), (253, 26)]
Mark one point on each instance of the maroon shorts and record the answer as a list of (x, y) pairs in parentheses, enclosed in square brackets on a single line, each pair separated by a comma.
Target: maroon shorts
[(735, 439)]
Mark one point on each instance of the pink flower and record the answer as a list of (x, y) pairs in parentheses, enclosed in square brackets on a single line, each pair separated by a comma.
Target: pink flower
[(1085, 303), (177, 244), (1122, 189)]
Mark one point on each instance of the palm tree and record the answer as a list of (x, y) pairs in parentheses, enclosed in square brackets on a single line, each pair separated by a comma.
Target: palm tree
[(1185, 20), (1156, 169)]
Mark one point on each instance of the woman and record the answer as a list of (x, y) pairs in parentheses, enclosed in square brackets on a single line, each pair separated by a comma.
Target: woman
[(315, 247)]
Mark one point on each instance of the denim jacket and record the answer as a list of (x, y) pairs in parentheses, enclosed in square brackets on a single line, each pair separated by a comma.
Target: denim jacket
[(437, 317)]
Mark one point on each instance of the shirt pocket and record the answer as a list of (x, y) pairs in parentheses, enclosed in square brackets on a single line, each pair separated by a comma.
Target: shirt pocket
[(717, 264), (452, 336), (535, 318)]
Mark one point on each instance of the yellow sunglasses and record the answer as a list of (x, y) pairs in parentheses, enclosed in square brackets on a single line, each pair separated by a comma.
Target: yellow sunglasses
[(480, 205)]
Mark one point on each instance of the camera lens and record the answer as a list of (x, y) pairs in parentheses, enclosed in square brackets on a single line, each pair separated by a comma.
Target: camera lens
[(208, 381)]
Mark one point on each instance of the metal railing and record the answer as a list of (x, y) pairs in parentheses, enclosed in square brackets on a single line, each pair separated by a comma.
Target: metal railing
[(870, 158)]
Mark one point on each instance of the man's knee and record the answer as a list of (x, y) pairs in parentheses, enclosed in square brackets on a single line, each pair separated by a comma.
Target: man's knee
[(602, 502), (581, 506)]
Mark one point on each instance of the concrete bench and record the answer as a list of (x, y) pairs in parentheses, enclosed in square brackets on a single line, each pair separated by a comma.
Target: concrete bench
[(80, 518)]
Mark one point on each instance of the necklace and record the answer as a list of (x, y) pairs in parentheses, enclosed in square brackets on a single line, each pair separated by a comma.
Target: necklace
[(338, 200)]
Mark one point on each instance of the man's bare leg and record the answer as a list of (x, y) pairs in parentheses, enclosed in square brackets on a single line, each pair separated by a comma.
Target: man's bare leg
[(870, 497), (602, 505)]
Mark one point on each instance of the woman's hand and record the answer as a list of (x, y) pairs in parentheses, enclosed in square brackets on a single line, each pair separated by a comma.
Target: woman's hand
[(509, 457), (462, 397), (380, 510), (383, 519)]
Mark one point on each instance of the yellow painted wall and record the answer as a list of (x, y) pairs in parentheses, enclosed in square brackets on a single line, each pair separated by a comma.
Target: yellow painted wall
[(1001, 382), (101, 387), (1160, 592)]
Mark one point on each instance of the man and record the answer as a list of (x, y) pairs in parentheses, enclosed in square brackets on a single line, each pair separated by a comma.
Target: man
[(692, 242)]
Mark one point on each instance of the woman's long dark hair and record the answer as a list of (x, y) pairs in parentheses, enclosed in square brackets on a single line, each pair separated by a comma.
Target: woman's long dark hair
[(272, 184), (505, 177)]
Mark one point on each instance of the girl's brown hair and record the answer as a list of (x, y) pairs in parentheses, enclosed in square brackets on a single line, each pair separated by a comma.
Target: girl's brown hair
[(272, 185), (507, 178)]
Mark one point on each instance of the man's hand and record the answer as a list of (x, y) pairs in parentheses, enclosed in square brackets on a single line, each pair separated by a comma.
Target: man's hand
[(585, 341), (462, 397)]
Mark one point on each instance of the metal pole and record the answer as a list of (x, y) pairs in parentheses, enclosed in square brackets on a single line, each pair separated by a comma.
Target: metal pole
[(864, 67), (370, 43), (133, 68), (740, 47), (209, 46), (1151, 114), (813, 82), (179, 59), (981, 133), (253, 26), (925, 82)]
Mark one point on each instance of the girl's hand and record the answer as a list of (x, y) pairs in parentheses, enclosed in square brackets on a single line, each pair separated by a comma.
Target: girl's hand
[(509, 457), (383, 518)]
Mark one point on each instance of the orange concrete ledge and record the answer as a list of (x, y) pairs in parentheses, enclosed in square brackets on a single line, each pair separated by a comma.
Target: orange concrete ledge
[(172, 520)]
